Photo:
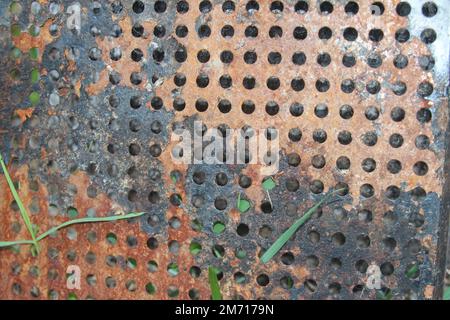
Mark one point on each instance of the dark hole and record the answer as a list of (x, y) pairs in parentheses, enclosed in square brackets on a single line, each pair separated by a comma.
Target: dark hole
[(429, 9), (396, 140), (205, 6), (159, 31), (295, 134), (179, 104), (376, 35), (425, 89), (182, 6), (158, 54), (361, 266), (179, 79), (403, 9), (160, 6), (225, 81), (368, 165), (338, 239), (292, 184), (276, 7), (227, 31), (224, 106), (249, 82), (242, 230), (345, 137), (350, 34), (245, 181), (297, 84), (252, 6), (138, 7), (137, 30), (274, 57), (370, 138), (423, 115), (180, 54), (220, 203), (400, 61), (428, 36), (402, 35), (136, 55), (287, 258), (351, 8), (372, 113), (300, 33), (422, 142), (346, 111), (343, 163), (389, 244), (226, 56), (153, 196), (426, 62), (316, 186), (272, 108), (296, 109), (301, 7), (202, 80), (321, 110), (136, 102), (251, 32), (392, 192), (204, 31), (293, 159), (248, 107), (347, 86), (181, 31), (324, 59), (299, 58), (319, 135), (322, 85), (318, 161), (273, 83), (374, 60), (250, 57), (373, 87), (228, 6), (420, 168), (326, 7), (157, 103), (348, 60), (275, 32), (367, 190), (266, 207), (201, 105), (325, 33)]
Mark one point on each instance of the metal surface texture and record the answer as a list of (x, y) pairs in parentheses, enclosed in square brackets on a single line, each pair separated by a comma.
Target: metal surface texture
[(355, 90)]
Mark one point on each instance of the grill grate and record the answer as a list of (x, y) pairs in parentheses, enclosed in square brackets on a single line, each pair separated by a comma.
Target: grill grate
[(354, 92)]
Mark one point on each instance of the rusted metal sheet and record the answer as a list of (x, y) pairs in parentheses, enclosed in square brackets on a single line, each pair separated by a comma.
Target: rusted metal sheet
[(356, 91)]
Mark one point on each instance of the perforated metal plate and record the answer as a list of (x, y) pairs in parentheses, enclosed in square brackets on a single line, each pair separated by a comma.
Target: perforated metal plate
[(356, 92)]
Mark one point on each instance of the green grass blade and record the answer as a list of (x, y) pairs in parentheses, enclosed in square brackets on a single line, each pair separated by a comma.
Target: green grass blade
[(23, 211), (89, 220), (214, 284), (281, 241), (447, 293), (4, 244)]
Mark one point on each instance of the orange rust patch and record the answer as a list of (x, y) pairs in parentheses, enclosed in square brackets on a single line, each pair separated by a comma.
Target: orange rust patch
[(24, 114), (26, 41)]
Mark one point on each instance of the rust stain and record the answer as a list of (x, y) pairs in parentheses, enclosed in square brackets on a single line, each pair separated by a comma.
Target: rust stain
[(24, 114)]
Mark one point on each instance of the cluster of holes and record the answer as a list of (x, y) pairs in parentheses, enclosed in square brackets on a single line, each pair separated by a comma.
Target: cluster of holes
[(425, 89)]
